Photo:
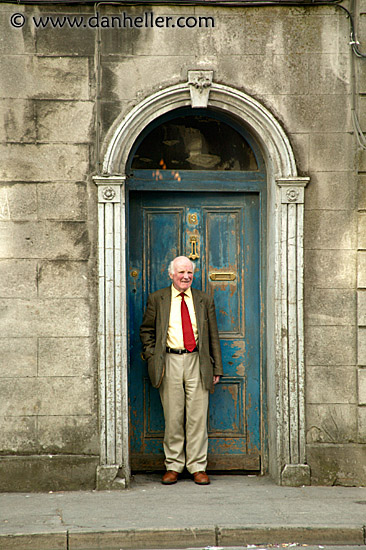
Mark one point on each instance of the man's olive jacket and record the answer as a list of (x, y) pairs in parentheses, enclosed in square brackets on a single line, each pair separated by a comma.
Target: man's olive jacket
[(154, 330)]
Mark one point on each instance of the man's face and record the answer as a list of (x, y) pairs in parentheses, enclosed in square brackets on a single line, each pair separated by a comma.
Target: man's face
[(182, 276)]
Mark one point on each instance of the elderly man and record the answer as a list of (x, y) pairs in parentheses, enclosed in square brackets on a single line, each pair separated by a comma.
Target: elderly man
[(181, 345)]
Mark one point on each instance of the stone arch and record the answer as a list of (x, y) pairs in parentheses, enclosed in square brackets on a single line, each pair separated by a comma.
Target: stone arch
[(255, 116), (286, 460)]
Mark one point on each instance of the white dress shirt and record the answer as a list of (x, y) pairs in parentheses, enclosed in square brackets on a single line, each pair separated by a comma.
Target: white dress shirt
[(175, 331)]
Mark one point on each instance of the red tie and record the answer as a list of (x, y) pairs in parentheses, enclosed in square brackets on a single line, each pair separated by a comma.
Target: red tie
[(188, 335)]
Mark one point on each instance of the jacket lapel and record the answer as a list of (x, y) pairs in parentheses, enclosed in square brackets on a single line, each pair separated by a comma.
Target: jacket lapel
[(165, 312), (199, 311)]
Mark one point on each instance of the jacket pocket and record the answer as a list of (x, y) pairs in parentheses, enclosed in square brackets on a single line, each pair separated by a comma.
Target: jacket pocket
[(155, 370), (151, 369)]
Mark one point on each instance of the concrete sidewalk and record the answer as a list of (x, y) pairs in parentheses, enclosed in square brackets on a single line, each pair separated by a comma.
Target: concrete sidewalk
[(232, 511)]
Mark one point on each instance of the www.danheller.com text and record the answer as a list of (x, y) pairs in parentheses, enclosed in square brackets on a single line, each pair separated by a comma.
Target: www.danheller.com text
[(119, 21)]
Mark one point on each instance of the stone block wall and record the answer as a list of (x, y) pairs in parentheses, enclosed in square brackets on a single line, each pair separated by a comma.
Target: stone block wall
[(297, 62), (361, 245), (334, 303), (48, 416)]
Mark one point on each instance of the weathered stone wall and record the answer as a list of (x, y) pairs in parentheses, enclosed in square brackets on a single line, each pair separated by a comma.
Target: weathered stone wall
[(334, 300), (47, 266), (297, 62)]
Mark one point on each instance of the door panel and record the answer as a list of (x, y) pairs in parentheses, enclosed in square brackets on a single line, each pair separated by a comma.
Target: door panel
[(162, 241), (221, 233), (223, 253)]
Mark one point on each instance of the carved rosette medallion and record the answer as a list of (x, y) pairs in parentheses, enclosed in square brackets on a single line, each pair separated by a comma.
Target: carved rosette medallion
[(292, 195), (108, 193), (292, 189), (109, 188)]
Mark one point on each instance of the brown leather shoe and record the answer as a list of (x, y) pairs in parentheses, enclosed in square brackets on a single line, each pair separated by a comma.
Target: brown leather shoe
[(201, 478), (169, 477)]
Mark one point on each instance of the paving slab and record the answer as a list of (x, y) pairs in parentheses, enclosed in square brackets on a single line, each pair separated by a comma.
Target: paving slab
[(234, 511)]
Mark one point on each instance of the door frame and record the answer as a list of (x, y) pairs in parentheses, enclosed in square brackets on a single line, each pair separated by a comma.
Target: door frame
[(286, 458)]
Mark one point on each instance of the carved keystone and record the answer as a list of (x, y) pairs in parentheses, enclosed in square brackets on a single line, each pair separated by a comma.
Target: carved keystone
[(199, 85)]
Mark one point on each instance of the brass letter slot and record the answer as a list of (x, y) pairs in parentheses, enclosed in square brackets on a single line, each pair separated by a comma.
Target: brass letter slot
[(223, 276)]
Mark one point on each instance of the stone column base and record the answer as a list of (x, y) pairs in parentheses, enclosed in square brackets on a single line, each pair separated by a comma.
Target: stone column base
[(107, 478), (295, 475)]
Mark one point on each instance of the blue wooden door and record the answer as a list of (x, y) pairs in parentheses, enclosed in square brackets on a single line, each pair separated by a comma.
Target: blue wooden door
[(222, 230)]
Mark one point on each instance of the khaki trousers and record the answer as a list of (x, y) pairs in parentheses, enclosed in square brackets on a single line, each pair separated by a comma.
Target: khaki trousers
[(185, 405)]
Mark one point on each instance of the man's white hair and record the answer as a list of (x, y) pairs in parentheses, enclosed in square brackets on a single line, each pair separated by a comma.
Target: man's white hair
[(171, 265)]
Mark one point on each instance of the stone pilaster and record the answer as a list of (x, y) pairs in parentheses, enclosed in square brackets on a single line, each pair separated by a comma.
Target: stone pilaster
[(295, 471), (113, 405)]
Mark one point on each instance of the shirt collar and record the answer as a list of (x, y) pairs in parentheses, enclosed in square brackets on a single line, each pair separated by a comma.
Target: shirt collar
[(176, 292)]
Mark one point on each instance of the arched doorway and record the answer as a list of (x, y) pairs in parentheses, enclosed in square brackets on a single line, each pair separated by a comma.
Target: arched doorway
[(196, 186), (286, 457)]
